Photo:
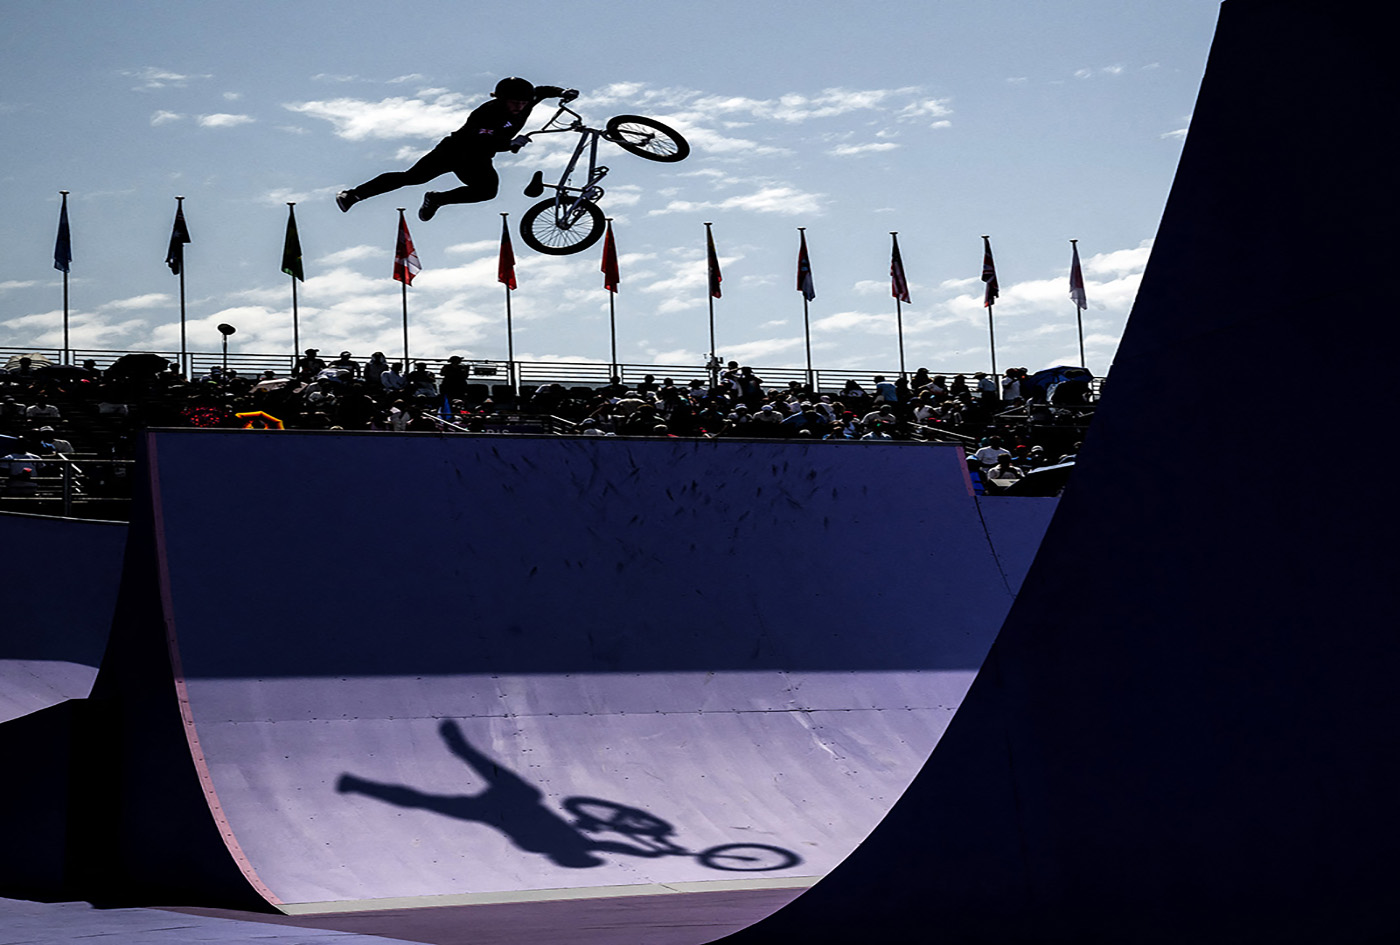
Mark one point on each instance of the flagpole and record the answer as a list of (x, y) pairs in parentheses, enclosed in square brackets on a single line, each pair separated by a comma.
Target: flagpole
[(990, 304), (1078, 308), (510, 331), (899, 316), (806, 321), (612, 323), (184, 357), (296, 335), (403, 285), (67, 356), (712, 364)]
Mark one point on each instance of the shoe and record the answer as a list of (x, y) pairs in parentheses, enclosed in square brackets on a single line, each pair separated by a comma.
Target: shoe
[(345, 200), (536, 185), (430, 207)]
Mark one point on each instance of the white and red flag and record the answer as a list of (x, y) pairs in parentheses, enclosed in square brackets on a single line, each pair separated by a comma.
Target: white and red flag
[(899, 286), (406, 264)]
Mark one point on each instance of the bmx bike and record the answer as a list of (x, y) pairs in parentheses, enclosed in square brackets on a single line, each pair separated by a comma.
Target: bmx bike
[(570, 221), (649, 835)]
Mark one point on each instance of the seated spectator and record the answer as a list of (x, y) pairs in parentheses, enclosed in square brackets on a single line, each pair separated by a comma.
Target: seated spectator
[(421, 382), (346, 363), (374, 370), (991, 453), (10, 409), (309, 365), (392, 380), (1004, 470), (50, 442), (41, 409), (885, 391)]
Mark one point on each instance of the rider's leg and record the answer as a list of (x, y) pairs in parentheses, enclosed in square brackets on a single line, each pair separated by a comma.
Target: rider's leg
[(435, 163), (480, 179)]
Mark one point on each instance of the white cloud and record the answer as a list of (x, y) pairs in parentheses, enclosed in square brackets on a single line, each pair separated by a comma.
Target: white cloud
[(163, 117), (771, 199), (223, 120), (853, 150), (390, 118), (154, 77)]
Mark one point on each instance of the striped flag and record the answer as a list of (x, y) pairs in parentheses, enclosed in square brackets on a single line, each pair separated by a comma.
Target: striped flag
[(899, 286), (179, 236), (611, 279), (989, 273), (804, 270), (63, 246), (1076, 279), (715, 277), (505, 265), (406, 264), (291, 248)]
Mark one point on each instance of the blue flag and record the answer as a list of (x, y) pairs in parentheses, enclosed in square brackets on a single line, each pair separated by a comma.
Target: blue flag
[(63, 246)]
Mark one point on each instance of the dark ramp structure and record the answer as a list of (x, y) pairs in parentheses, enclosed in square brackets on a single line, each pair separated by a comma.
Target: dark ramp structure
[(1185, 732), (60, 586), (360, 672)]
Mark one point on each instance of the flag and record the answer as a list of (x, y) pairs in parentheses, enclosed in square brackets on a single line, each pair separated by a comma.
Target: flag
[(505, 266), (989, 273), (179, 236), (804, 271), (715, 277), (609, 267), (291, 248), (406, 264), (63, 246), (899, 286), (1076, 280)]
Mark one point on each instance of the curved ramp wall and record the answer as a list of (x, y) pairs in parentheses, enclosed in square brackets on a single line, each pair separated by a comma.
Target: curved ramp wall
[(420, 669)]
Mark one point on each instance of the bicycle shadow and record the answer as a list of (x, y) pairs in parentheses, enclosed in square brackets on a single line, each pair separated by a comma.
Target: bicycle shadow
[(515, 807)]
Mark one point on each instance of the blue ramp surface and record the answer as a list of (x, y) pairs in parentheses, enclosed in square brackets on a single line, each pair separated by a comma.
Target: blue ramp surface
[(434, 671), (1185, 731)]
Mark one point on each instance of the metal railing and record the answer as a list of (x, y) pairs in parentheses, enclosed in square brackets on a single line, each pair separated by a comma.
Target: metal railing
[(518, 375), (70, 486)]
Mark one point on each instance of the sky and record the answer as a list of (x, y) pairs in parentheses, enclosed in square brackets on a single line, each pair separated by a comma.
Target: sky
[(1034, 122)]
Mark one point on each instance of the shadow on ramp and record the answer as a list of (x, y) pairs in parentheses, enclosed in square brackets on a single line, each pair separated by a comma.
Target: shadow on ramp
[(515, 807)]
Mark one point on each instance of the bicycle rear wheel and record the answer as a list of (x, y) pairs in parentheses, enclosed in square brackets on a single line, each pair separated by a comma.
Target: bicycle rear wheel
[(647, 138), (563, 232), (748, 857)]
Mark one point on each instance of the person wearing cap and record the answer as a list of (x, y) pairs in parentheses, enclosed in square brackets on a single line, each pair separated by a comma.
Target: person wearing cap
[(346, 363), (309, 365), (492, 127)]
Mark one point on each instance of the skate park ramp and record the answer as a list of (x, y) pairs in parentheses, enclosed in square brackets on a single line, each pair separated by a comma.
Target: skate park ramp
[(427, 671), (61, 578), (1185, 730)]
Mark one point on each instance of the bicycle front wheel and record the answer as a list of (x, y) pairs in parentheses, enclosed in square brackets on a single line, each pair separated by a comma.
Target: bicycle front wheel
[(560, 230), (748, 857), (647, 138)]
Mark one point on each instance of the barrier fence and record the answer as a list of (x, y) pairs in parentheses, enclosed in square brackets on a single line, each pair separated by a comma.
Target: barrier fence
[(519, 375)]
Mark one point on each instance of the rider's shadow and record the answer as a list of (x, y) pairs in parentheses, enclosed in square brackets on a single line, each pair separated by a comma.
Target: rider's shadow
[(509, 803)]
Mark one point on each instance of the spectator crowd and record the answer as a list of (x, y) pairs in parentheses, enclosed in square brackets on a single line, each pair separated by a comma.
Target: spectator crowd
[(49, 411)]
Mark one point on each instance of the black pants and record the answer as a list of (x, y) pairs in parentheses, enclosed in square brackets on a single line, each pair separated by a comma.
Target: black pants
[(474, 169)]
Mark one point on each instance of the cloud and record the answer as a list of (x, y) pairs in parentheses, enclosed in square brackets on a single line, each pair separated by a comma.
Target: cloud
[(389, 118), (164, 117), (224, 120), (154, 77), (853, 150), (16, 284), (775, 198)]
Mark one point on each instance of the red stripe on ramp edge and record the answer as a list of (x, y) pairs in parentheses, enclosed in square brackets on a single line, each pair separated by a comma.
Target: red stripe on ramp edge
[(201, 764), (962, 464)]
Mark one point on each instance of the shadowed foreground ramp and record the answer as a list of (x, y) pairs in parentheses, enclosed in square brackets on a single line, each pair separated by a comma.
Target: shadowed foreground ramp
[(1185, 732), (416, 671)]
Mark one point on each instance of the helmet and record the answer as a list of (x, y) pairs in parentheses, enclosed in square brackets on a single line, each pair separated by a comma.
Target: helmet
[(514, 87)]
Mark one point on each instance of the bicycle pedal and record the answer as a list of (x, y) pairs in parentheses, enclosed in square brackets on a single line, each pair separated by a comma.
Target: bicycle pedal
[(536, 185)]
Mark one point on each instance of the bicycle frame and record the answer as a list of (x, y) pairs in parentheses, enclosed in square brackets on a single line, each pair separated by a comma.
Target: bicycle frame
[(565, 206)]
